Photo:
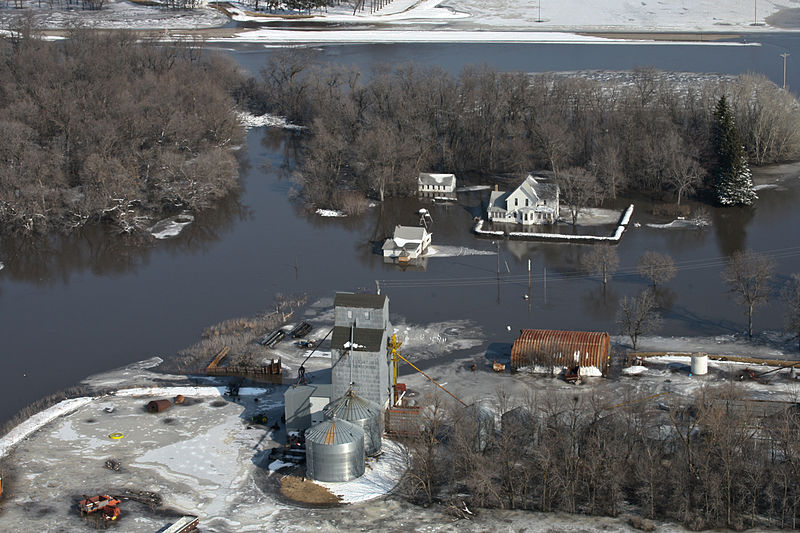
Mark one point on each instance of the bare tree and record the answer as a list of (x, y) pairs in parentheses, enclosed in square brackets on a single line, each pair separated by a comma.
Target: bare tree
[(638, 316), (658, 268), (685, 174), (749, 274), (602, 260), (577, 187), (791, 298)]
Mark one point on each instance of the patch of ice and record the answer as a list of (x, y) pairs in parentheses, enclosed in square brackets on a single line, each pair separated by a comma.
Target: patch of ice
[(171, 227), (681, 224), (634, 370), (38, 420), (330, 213), (765, 186), (455, 251)]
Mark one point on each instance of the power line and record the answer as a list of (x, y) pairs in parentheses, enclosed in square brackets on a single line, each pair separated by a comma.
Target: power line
[(687, 265)]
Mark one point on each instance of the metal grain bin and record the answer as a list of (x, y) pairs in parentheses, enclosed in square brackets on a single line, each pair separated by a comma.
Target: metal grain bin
[(561, 348), (361, 412), (334, 451), (481, 420)]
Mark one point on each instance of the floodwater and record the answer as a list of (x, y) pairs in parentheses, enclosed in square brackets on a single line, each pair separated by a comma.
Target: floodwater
[(89, 303)]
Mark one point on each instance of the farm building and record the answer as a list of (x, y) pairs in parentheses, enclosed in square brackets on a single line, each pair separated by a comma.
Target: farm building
[(546, 347), (409, 242), (304, 404), (437, 186), (532, 202), (359, 358)]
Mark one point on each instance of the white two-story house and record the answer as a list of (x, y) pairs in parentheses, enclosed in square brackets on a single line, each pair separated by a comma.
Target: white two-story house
[(532, 202), (441, 186)]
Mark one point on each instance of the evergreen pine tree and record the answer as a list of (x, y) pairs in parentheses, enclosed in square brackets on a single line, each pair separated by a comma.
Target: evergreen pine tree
[(734, 185)]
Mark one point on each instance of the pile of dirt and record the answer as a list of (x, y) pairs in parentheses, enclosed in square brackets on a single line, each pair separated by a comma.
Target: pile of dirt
[(306, 491)]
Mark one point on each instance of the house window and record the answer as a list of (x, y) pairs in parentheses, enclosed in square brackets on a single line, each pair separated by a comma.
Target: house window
[(366, 315), (526, 202), (516, 202), (350, 315)]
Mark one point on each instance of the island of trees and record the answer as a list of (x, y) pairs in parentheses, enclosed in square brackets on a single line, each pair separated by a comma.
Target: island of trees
[(644, 133), (108, 128)]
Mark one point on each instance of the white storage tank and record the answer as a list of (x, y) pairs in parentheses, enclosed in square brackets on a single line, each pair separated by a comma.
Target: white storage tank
[(334, 451), (699, 364), (361, 412)]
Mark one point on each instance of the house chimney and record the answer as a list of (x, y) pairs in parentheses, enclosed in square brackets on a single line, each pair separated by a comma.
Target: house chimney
[(495, 187)]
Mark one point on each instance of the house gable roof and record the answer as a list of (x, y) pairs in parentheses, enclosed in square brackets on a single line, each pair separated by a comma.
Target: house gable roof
[(448, 180), (406, 234)]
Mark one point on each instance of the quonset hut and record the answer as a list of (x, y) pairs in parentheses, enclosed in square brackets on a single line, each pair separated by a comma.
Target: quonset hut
[(363, 413), (549, 347), (334, 451)]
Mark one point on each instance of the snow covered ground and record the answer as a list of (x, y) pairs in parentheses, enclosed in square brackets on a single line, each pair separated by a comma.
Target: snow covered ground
[(462, 20)]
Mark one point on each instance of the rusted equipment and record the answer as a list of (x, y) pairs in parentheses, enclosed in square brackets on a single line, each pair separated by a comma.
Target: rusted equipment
[(572, 374), (561, 348), (270, 372), (498, 367), (183, 525), (179, 399), (156, 406), (104, 504), (271, 339), (300, 330), (403, 421)]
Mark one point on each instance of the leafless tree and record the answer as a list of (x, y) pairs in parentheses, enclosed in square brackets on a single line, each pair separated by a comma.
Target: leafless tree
[(638, 316), (658, 268), (684, 175), (748, 275), (577, 188), (791, 299), (601, 260)]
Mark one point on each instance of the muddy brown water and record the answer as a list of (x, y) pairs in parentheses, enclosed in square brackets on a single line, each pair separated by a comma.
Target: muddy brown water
[(91, 302)]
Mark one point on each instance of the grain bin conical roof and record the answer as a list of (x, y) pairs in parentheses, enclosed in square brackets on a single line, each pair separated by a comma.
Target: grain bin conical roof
[(334, 431), (352, 408)]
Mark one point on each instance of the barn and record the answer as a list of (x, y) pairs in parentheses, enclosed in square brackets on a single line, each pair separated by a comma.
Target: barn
[(549, 347)]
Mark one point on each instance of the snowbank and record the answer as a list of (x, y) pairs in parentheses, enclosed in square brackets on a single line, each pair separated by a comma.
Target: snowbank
[(634, 370), (249, 120), (38, 420), (696, 223), (382, 475), (330, 213), (197, 392)]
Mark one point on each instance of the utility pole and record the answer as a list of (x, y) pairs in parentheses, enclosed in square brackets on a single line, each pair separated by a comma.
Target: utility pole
[(755, 12), (539, 19), (545, 285), (784, 56), (529, 278)]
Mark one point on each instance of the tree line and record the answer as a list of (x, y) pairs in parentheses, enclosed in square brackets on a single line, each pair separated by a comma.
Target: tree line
[(706, 461), (651, 134), (105, 127)]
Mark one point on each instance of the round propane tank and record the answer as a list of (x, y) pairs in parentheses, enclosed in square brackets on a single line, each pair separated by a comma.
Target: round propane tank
[(699, 364)]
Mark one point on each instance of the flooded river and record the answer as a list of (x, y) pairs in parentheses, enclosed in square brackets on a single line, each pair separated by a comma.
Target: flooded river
[(89, 303)]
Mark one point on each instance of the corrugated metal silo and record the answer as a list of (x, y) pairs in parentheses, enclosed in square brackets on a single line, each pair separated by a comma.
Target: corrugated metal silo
[(561, 348), (361, 412), (334, 451), (483, 420)]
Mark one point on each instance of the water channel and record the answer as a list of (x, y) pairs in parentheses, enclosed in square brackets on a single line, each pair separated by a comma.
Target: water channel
[(91, 303)]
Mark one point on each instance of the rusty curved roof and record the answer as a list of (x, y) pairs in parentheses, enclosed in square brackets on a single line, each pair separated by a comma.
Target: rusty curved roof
[(565, 348)]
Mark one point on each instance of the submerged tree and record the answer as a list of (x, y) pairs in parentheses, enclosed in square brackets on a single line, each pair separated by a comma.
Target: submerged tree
[(734, 185), (577, 188), (602, 260), (748, 274), (638, 316), (658, 268)]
